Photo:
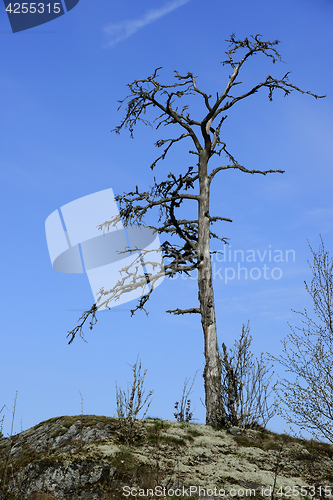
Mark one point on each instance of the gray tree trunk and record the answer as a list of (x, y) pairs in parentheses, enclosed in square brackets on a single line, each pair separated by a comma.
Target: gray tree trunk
[(215, 412)]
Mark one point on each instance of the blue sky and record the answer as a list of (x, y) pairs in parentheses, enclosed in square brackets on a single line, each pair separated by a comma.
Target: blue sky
[(59, 86)]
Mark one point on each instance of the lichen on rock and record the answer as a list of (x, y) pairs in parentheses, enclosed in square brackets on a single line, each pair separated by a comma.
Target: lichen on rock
[(83, 457)]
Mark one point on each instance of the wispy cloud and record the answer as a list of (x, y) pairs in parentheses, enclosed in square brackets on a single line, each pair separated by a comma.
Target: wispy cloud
[(120, 31)]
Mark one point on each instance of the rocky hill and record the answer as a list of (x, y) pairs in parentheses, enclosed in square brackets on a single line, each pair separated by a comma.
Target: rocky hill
[(87, 457)]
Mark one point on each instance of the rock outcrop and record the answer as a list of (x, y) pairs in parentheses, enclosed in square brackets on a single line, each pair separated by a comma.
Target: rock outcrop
[(85, 457)]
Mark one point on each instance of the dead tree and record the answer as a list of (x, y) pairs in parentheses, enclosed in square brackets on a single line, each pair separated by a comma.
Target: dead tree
[(163, 102)]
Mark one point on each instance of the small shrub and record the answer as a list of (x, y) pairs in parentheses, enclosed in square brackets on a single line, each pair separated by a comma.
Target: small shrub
[(245, 385), (179, 413), (183, 411), (128, 407)]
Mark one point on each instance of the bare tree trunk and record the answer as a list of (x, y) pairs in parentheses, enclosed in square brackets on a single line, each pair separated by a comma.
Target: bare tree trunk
[(215, 412)]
